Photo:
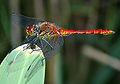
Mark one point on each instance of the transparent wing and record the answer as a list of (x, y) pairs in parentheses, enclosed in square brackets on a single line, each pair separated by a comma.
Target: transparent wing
[(50, 49), (24, 20)]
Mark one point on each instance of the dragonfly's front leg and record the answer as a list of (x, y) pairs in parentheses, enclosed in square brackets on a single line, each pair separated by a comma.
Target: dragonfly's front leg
[(31, 43)]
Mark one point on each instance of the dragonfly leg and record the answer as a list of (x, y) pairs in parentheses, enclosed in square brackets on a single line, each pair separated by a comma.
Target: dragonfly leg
[(27, 36), (31, 43), (51, 50), (47, 43), (41, 43), (34, 40)]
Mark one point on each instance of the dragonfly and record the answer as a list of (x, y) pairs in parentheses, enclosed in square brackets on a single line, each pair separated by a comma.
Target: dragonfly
[(47, 35)]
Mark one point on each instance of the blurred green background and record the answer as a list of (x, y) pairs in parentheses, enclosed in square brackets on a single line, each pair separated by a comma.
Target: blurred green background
[(83, 59)]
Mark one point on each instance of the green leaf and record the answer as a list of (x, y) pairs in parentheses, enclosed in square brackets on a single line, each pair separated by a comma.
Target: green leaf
[(28, 67)]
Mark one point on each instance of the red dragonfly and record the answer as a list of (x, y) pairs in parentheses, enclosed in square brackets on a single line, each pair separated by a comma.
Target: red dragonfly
[(47, 35), (46, 30)]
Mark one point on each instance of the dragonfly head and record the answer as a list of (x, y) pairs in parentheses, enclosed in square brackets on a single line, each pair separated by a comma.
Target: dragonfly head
[(30, 30)]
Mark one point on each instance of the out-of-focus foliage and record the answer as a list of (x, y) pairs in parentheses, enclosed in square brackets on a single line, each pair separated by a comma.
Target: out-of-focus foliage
[(70, 65)]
